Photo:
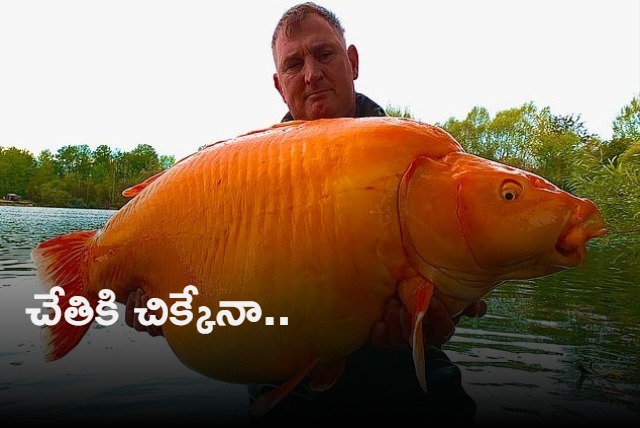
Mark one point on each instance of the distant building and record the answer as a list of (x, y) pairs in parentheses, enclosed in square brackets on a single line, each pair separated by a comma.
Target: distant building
[(12, 197)]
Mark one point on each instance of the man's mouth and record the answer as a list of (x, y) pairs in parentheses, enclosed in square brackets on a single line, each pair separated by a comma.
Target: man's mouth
[(318, 93)]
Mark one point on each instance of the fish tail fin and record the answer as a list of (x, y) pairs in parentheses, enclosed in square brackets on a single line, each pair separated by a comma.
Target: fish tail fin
[(416, 295), (266, 401), (61, 261)]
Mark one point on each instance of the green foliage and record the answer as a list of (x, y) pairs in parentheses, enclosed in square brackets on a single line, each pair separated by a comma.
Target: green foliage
[(396, 111), (611, 150), (16, 169), (77, 177), (166, 161), (54, 194), (615, 188), (626, 132), (627, 125), (472, 133), (632, 154)]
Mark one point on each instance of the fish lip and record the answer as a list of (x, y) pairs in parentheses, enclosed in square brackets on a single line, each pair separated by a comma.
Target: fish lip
[(571, 245)]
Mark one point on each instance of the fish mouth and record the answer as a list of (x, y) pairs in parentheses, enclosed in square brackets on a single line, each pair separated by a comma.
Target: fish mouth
[(586, 223)]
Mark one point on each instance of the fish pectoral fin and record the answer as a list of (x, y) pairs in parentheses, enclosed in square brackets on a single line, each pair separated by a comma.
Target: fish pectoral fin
[(266, 401), (416, 294), (327, 376)]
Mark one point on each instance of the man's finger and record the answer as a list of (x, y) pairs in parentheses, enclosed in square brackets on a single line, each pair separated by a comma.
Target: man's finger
[(405, 326), (390, 332), (140, 302), (398, 323), (129, 306), (380, 335), (476, 309), (439, 326)]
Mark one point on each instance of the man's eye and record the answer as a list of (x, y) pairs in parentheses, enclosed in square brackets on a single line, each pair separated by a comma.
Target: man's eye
[(324, 55), (292, 66)]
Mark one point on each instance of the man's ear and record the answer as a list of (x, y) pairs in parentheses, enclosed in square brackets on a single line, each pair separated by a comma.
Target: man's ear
[(352, 53), (276, 83)]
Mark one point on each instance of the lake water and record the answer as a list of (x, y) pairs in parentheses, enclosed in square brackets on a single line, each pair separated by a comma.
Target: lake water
[(564, 348)]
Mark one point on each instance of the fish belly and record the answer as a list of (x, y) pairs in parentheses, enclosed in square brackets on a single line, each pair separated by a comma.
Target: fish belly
[(307, 231)]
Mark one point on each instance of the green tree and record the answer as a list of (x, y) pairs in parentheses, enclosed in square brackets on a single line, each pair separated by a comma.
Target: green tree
[(609, 172), (615, 188), (140, 163), (626, 126), (514, 132), (626, 130), (397, 111), (16, 169), (75, 168), (473, 132), (54, 194), (570, 124), (555, 144), (631, 156), (105, 177), (45, 173), (74, 161), (166, 161)]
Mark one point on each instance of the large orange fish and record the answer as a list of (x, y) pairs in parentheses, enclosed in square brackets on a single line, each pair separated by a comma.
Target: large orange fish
[(320, 222)]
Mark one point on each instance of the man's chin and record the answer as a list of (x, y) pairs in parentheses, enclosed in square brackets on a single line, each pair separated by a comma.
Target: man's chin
[(321, 114)]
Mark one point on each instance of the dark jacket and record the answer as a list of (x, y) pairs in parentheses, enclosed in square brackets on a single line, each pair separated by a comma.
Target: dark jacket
[(365, 107)]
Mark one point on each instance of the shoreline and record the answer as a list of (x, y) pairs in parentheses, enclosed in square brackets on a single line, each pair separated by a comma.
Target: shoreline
[(6, 203)]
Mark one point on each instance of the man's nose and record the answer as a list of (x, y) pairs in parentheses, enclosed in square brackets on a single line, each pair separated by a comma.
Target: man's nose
[(312, 72)]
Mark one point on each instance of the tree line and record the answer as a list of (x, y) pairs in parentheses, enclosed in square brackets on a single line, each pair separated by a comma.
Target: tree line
[(559, 148), (76, 176)]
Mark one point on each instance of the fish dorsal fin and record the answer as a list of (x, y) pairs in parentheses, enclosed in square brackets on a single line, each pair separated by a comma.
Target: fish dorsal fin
[(134, 190), (291, 123), (416, 294)]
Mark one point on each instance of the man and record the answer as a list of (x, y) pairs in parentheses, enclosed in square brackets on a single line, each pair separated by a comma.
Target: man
[(314, 68), (315, 74)]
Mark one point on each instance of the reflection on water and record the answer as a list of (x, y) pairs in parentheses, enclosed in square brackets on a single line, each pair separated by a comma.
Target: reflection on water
[(561, 348), (568, 343)]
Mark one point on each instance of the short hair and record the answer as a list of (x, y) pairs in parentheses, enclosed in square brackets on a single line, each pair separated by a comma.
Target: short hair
[(292, 18)]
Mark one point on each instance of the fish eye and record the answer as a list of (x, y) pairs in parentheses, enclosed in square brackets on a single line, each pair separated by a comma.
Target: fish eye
[(509, 195), (511, 190)]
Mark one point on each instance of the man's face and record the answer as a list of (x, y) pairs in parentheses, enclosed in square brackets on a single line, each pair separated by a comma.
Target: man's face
[(315, 72)]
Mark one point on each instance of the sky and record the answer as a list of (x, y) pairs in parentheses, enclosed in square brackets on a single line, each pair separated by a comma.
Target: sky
[(180, 74)]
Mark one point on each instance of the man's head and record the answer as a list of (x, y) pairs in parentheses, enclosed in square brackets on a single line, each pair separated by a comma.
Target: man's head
[(315, 70)]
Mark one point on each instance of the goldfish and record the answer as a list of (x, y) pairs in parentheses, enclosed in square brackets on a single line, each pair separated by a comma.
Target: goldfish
[(319, 223)]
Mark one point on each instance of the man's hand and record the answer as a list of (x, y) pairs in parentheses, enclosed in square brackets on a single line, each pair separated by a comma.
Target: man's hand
[(395, 327), (138, 299)]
